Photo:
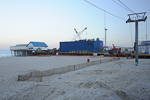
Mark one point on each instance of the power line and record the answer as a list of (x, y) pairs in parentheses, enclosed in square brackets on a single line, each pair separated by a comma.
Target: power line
[(121, 6), (126, 6), (128, 9), (104, 10)]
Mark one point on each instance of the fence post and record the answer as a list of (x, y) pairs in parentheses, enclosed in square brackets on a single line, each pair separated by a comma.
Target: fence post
[(79, 66), (30, 74), (54, 71), (69, 68), (74, 67)]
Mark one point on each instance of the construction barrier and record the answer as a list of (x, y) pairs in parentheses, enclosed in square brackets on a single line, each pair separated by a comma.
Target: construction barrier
[(37, 75)]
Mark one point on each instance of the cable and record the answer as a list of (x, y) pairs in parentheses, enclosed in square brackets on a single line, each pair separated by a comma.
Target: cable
[(126, 6), (131, 34), (121, 6), (104, 10), (146, 30)]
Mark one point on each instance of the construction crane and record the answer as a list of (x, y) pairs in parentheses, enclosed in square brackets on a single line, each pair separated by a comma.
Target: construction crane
[(78, 33)]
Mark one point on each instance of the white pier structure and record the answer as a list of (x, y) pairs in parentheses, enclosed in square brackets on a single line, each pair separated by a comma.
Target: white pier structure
[(28, 49)]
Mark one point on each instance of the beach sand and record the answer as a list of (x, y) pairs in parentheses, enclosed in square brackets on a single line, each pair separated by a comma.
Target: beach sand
[(117, 80)]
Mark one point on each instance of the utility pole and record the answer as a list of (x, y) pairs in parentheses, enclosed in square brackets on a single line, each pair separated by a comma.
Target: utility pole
[(105, 39), (146, 37), (146, 33), (136, 17)]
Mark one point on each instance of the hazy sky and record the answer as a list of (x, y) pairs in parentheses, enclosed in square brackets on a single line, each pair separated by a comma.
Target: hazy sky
[(53, 21)]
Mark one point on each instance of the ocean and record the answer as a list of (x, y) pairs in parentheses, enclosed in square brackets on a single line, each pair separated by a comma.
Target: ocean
[(5, 53)]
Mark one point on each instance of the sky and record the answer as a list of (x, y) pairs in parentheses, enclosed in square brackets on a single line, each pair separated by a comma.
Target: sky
[(53, 21)]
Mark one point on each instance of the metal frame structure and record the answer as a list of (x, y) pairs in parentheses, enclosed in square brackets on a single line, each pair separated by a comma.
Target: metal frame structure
[(136, 17)]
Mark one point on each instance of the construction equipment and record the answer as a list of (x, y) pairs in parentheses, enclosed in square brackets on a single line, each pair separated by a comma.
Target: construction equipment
[(78, 33), (117, 51), (114, 50)]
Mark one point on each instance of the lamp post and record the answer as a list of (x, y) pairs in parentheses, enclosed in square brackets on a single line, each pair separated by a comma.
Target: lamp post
[(105, 39)]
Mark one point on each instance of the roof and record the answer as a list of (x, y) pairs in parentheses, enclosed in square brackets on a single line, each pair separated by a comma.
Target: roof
[(39, 44), (145, 43), (21, 44)]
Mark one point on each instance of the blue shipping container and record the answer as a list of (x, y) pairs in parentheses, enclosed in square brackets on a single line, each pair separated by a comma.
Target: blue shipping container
[(81, 46)]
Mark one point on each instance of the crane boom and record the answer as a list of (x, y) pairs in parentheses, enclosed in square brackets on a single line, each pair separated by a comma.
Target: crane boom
[(83, 30), (79, 33), (76, 31)]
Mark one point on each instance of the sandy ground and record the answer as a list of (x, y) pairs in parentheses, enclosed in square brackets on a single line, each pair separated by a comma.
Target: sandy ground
[(118, 80)]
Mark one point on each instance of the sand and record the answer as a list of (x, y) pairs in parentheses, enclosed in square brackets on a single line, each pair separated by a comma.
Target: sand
[(118, 80)]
